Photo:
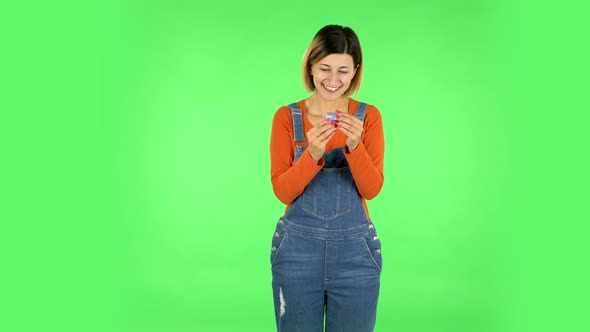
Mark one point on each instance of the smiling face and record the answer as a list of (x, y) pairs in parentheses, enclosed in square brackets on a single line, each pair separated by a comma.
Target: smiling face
[(332, 75)]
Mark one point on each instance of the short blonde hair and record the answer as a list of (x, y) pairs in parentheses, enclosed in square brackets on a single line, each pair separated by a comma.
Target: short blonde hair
[(333, 39)]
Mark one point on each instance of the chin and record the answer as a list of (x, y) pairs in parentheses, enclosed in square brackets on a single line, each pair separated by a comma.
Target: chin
[(331, 97)]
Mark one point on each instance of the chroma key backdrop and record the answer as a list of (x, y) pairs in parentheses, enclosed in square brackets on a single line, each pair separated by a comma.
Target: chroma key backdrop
[(141, 181)]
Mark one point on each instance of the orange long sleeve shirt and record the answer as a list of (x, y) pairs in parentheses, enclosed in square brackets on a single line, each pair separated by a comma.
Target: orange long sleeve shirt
[(289, 178)]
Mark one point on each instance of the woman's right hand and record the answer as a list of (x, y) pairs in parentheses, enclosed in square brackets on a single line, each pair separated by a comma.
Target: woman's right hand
[(318, 137)]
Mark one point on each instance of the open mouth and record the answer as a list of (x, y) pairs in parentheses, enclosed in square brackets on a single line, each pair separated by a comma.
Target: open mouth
[(330, 88)]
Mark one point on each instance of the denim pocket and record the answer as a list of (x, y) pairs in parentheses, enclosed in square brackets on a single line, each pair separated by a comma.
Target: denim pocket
[(327, 196), (373, 247), (278, 240)]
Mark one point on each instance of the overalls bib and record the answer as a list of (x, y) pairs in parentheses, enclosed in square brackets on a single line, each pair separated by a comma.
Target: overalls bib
[(326, 255)]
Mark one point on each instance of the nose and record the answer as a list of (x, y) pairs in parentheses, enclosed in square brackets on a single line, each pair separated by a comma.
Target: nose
[(332, 78)]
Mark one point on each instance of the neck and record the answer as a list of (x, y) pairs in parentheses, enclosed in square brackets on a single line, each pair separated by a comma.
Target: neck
[(318, 103)]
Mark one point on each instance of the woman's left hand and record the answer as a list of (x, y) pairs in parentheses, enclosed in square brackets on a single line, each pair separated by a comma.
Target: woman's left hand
[(352, 127)]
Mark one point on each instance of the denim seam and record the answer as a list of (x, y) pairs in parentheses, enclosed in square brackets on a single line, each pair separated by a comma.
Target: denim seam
[(341, 210), (370, 254), (279, 247)]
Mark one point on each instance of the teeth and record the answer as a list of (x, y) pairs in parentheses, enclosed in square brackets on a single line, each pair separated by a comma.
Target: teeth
[(330, 88)]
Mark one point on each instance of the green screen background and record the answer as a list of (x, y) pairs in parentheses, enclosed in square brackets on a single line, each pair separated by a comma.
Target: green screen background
[(137, 182)]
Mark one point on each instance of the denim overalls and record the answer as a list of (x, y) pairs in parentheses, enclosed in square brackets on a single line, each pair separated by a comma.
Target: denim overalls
[(326, 256)]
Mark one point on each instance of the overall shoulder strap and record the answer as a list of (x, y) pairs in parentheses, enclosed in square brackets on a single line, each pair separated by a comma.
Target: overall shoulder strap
[(360, 111), (296, 114)]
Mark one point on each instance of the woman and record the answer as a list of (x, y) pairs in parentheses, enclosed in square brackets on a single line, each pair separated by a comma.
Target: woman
[(326, 161)]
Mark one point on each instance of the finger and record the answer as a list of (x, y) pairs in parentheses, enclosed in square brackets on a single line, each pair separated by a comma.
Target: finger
[(347, 132), (318, 130), (349, 129), (345, 116), (318, 134), (353, 127), (329, 136), (322, 127), (349, 116), (326, 135), (325, 129)]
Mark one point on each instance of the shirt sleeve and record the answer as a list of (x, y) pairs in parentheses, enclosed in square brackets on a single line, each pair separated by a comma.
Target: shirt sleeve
[(288, 178), (366, 161)]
